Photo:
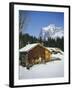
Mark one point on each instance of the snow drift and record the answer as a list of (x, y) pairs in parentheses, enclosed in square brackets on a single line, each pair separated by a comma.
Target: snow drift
[(52, 69)]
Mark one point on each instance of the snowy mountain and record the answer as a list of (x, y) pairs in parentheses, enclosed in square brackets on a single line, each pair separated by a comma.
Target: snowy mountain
[(51, 31)]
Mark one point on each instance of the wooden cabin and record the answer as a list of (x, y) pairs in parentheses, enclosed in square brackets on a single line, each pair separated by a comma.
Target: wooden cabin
[(34, 54)]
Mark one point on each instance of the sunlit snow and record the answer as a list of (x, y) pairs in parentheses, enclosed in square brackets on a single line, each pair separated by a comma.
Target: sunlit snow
[(52, 69), (52, 31)]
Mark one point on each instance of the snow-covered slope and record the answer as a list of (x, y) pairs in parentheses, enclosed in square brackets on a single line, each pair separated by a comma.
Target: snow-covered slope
[(51, 31), (48, 70), (52, 69)]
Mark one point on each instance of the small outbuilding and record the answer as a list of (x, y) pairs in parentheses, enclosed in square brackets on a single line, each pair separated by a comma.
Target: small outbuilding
[(34, 54)]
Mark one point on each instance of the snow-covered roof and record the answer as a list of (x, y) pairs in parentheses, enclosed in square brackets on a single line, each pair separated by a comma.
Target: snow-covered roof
[(52, 48), (28, 47)]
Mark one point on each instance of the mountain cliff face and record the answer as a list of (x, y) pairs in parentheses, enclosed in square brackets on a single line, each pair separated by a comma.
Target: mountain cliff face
[(51, 31)]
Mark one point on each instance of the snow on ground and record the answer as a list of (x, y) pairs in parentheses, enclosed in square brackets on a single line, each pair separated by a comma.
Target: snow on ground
[(54, 68), (57, 56)]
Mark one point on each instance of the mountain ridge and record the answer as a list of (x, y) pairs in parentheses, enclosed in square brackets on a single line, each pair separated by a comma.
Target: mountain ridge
[(51, 31)]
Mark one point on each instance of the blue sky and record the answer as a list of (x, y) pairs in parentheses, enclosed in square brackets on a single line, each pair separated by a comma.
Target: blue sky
[(36, 20)]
